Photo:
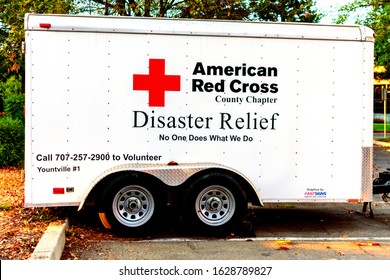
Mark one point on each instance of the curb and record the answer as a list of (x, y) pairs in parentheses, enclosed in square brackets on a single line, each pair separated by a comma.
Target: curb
[(52, 243), (380, 143)]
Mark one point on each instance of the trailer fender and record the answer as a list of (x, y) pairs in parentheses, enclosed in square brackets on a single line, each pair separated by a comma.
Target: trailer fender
[(172, 175)]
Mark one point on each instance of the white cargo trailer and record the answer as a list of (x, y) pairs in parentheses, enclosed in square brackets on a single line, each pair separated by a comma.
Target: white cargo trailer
[(134, 114)]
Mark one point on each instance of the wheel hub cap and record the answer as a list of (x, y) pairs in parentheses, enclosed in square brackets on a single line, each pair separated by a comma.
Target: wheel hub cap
[(133, 204), (213, 204)]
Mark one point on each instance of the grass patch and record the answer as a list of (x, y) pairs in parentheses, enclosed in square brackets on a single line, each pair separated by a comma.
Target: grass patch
[(379, 127)]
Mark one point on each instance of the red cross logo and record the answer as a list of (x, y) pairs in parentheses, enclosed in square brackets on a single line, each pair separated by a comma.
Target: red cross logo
[(156, 82)]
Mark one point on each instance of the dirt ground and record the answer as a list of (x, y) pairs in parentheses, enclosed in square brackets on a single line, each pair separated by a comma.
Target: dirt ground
[(21, 228)]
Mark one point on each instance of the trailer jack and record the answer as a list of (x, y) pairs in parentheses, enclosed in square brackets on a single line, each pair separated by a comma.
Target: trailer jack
[(386, 197), (367, 210), (380, 185)]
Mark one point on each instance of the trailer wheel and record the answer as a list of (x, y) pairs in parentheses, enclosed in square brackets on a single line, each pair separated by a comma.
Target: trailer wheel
[(215, 202), (129, 204)]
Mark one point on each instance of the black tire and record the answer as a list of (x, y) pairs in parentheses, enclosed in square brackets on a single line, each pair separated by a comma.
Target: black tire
[(130, 204), (215, 203)]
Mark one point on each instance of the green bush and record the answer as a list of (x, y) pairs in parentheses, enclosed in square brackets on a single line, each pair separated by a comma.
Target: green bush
[(12, 123), (13, 98), (14, 106), (11, 141)]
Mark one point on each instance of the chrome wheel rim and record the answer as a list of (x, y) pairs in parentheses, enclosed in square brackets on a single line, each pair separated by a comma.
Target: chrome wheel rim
[(133, 206), (215, 205)]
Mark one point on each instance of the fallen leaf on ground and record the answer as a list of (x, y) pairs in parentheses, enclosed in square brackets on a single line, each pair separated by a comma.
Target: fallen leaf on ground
[(282, 248), (368, 244), (20, 228), (283, 242)]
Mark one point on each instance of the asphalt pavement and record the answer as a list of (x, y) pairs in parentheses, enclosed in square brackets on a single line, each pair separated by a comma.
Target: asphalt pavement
[(281, 232)]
